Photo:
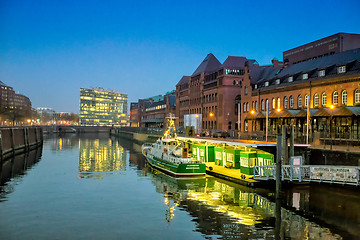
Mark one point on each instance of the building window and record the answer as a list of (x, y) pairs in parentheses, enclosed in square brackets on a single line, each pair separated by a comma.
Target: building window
[(244, 107), (323, 99), (357, 96), (255, 86), (278, 103), (321, 73), (305, 76), (291, 102), (267, 104), (344, 97), (256, 107), (246, 90), (299, 101), (341, 69), (262, 105), (277, 81), (306, 100), (274, 103), (253, 105), (316, 100), (285, 102), (266, 84), (247, 107), (335, 97), (290, 79)]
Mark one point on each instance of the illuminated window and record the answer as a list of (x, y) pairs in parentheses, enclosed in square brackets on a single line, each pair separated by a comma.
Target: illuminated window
[(291, 102), (323, 99), (299, 101), (321, 73), (274, 103), (305, 76), (277, 81), (278, 103), (285, 102), (316, 100), (344, 97), (306, 100), (357, 96), (335, 97), (266, 84), (290, 79), (262, 105), (341, 69)]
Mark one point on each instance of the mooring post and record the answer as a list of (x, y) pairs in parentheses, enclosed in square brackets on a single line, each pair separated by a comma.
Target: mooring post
[(12, 137), (278, 232), (284, 146), (292, 150), (278, 164)]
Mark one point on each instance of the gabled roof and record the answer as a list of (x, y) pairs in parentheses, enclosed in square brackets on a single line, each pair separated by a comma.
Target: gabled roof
[(209, 64), (183, 80), (234, 62)]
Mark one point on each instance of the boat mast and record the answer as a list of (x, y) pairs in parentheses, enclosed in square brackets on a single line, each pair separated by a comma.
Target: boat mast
[(171, 129)]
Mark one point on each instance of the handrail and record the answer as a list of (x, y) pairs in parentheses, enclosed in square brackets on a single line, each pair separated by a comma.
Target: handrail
[(311, 173)]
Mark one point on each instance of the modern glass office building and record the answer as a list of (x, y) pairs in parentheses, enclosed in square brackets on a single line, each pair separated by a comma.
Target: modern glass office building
[(103, 107)]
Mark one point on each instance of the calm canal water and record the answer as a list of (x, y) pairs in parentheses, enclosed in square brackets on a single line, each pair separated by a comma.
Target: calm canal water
[(96, 187)]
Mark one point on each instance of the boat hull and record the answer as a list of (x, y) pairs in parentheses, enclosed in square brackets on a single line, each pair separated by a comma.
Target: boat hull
[(181, 170)]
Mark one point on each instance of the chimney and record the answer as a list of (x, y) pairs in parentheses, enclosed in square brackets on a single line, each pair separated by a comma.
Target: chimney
[(275, 62)]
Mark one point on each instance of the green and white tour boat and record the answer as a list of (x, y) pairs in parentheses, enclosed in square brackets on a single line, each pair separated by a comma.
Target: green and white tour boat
[(171, 156)]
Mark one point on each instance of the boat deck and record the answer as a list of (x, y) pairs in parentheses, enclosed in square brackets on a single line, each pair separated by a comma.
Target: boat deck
[(229, 174)]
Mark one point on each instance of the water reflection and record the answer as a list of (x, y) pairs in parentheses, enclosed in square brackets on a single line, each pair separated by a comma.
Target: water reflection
[(100, 156), (222, 209), (13, 168)]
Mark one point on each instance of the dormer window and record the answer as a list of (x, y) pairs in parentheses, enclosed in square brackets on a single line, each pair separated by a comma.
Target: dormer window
[(321, 73), (290, 79), (305, 76), (341, 69), (255, 86), (277, 81), (266, 84)]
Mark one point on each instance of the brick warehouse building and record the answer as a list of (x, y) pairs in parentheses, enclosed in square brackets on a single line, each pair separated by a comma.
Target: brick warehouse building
[(320, 77)]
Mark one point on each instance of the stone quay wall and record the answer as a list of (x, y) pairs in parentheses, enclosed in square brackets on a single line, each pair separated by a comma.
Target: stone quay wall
[(17, 140)]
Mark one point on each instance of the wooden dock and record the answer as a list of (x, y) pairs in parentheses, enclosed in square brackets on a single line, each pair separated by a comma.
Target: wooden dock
[(230, 174)]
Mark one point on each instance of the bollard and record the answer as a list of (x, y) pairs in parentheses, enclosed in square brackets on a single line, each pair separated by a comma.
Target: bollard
[(278, 165)]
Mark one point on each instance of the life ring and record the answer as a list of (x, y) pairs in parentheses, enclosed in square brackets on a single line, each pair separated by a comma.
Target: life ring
[(165, 150)]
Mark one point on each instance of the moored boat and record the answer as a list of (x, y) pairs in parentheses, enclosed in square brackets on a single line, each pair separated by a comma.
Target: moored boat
[(171, 155)]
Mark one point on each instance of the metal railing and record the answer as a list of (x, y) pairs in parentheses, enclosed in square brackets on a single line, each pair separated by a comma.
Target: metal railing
[(311, 173)]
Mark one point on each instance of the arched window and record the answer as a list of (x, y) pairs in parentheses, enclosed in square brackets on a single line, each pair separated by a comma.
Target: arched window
[(357, 96), (267, 104), (285, 102), (335, 97), (344, 97), (306, 100), (253, 105), (274, 103), (323, 99), (244, 107), (262, 105), (247, 107), (299, 101), (316, 100), (291, 102), (278, 103), (256, 106)]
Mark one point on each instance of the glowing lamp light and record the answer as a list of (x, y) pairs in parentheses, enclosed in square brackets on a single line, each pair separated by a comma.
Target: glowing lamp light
[(211, 114), (196, 115), (252, 111), (28, 120), (332, 106), (278, 110)]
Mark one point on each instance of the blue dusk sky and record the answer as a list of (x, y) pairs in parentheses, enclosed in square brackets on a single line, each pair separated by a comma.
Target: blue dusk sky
[(51, 49)]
